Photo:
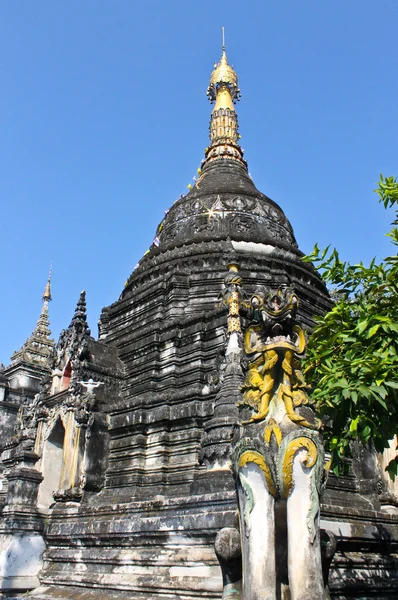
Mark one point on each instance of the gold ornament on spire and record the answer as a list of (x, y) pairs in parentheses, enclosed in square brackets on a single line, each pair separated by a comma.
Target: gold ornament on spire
[(223, 80), (224, 92)]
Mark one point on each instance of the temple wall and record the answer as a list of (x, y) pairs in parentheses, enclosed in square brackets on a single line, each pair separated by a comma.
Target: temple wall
[(170, 336), (8, 419), (163, 547)]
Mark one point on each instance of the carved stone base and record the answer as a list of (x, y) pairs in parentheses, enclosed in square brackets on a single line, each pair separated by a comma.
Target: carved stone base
[(21, 562), (72, 495)]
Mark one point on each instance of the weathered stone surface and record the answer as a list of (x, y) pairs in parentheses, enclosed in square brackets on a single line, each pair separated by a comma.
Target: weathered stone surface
[(229, 553), (136, 425), (20, 561)]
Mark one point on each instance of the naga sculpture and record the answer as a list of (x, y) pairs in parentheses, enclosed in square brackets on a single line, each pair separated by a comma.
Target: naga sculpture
[(275, 344), (278, 458)]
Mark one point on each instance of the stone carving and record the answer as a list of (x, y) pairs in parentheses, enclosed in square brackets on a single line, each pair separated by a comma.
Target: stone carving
[(278, 457), (328, 550), (228, 550), (72, 416), (76, 415), (225, 213), (84, 402), (274, 345), (30, 412), (216, 442), (72, 341)]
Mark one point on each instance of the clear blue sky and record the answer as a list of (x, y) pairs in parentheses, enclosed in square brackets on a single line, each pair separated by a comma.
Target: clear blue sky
[(104, 119)]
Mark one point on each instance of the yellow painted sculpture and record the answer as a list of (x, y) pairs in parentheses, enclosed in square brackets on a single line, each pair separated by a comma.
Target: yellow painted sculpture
[(278, 453), (273, 354)]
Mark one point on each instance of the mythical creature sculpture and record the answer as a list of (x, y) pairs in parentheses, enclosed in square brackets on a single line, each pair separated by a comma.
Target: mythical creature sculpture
[(278, 458), (274, 345)]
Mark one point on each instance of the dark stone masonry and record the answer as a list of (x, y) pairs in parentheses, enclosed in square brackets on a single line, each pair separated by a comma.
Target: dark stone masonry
[(116, 464)]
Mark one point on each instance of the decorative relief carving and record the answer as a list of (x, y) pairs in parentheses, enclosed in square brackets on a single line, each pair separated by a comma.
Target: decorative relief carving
[(312, 459), (61, 415), (278, 438), (216, 442), (72, 343), (274, 345), (250, 456), (225, 212), (30, 412)]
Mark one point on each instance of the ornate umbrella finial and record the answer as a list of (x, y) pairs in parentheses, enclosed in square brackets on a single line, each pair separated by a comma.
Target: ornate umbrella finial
[(224, 92), (223, 79)]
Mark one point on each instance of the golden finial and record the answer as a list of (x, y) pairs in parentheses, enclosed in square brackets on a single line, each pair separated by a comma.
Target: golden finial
[(47, 289), (223, 82), (224, 92)]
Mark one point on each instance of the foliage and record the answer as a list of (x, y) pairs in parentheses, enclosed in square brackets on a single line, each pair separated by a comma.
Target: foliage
[(352, 358)]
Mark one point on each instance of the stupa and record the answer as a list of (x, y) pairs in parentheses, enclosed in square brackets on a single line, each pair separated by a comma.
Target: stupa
[(129, 474)]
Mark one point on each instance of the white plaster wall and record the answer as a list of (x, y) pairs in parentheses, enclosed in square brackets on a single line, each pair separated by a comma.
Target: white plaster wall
[(21, 380), (20, 560), (52, 461)]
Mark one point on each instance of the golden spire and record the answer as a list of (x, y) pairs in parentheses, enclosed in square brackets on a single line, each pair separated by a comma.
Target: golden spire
[(223, 88), (224, 92), (47, 290)]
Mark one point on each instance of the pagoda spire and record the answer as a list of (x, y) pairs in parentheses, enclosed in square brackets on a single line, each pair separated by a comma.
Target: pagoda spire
[(47, 290), (79, 319), (39, 346), (224, 92)]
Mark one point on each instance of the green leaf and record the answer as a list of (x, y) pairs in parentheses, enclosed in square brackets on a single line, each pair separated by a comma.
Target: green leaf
[(380, 401), (364, 391), (379, 390), (354, 424), (373, 330), (324, 252), (392, 468), (392, 384), (334, 442), (362, 325)]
